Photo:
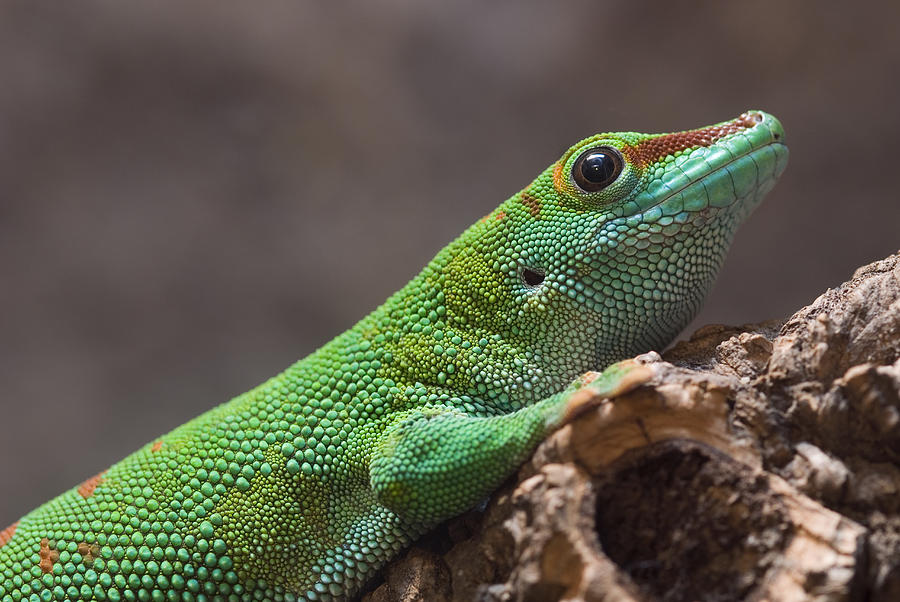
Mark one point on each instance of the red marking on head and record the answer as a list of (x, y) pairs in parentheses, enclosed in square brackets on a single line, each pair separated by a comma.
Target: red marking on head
[(156, 447), (87, 488), (654, 149), (532, 203), (48, 555), (500, 215), (7, 533)]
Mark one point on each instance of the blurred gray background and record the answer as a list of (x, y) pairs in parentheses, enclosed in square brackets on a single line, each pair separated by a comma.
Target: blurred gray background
[(192, 196)]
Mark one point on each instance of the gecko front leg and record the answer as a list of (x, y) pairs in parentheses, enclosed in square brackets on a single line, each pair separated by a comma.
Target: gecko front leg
[(434, 463)]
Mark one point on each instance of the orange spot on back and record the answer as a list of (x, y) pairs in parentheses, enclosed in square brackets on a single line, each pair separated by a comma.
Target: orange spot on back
[(156, 447), (7, 533), (48, 555), (87, 488), (88, 552), (500, 215)]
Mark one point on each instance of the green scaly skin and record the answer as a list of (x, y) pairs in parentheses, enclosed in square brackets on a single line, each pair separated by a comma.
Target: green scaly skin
[(306, 485)]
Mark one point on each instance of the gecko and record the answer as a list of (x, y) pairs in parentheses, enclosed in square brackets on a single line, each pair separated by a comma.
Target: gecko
[(303, 487)]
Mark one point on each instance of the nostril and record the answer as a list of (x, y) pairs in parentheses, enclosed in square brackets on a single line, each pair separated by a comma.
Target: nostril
[(776, 135)]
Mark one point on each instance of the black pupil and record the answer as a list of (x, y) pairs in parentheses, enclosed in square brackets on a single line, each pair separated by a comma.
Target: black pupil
[(531, 277), (598, 168)]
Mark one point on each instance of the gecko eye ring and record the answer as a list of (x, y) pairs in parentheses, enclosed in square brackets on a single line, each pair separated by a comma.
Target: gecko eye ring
[(597, 168)]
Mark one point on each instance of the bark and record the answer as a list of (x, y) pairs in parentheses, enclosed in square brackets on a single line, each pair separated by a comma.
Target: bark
[(756, 463)]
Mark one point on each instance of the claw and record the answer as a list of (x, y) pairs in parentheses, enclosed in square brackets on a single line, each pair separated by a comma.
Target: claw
[(597, 387)]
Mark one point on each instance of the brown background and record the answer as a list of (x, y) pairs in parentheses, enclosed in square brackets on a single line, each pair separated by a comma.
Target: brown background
[(192, 197)]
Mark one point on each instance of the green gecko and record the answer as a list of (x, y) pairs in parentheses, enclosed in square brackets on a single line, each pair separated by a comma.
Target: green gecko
[(304, 486)]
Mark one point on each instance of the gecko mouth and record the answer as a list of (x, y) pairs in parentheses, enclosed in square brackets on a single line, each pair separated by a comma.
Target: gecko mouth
[(736, 170), (733, 173), (657, 256), (742, 178)]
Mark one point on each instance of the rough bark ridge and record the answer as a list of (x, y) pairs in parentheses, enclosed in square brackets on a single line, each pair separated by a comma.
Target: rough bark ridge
[(758, 463)]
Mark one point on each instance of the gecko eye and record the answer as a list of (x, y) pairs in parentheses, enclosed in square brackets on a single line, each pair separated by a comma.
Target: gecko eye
[(597, 168), (531, 277)]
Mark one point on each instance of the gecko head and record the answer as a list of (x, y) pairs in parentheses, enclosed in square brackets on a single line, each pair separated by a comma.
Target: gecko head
[(610, 251)]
